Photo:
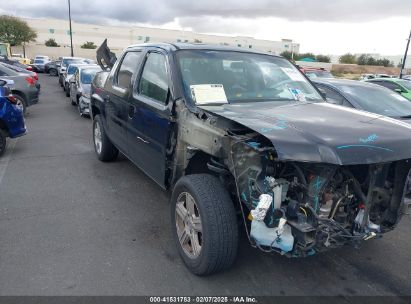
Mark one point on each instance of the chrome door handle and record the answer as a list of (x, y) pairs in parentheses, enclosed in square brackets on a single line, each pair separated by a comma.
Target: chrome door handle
[(143, 140)]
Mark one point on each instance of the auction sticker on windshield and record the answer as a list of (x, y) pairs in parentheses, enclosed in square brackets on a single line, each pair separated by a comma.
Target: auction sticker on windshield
[(208, 93)]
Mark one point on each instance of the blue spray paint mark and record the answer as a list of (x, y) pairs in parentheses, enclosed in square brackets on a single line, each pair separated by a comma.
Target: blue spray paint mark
[(244, 197), (254, 144), (281, 125), (369, 139), (317, 185), (364, 146)]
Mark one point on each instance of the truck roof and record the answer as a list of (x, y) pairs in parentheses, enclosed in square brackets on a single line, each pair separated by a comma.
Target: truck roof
[(198, 46)]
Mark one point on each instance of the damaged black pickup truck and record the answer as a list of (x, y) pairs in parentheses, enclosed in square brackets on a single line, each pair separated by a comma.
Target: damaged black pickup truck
[(244, 139)]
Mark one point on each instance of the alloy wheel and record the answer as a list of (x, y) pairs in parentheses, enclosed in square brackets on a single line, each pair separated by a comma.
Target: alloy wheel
[(188, 224)]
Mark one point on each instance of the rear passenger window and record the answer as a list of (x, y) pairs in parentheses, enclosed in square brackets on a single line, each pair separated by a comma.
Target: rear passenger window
[(154, 80), (127, 69)]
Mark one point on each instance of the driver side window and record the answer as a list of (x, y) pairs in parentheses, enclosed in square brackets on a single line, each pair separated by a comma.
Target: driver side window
[(154, 80)]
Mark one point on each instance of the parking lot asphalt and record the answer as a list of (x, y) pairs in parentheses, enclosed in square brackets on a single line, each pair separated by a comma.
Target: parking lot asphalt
[(71, 225)]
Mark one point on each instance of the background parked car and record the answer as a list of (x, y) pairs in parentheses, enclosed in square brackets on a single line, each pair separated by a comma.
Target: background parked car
[(400, 86), (11, 116), (39, 65), (316, 72), (43, 57), (20, 58), (80, 87), (66, 61), (68, 74), (15, 63), (24, 71), (24, 87), (52, 67), (365, 96)]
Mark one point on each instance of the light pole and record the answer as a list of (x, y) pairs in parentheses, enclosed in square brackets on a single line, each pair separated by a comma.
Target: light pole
[(71, 32), (405, 56)]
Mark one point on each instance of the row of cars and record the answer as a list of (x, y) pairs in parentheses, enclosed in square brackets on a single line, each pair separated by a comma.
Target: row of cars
[(243, 138), (75, 76)]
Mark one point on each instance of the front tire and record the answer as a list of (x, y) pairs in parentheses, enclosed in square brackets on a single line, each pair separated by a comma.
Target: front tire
[(204, 224), (105, 150), (3, 142)]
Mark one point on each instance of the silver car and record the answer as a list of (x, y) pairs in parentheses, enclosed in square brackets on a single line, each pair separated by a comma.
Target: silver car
[(80, 86), (68, 74), (24, 87)]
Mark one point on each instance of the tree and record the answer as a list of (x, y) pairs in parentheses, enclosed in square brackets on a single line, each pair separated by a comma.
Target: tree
[(362, 59), (15, 31), (51, 43), (287, 54), (365, 59), (323, 58), (89, 45), (348, 58)]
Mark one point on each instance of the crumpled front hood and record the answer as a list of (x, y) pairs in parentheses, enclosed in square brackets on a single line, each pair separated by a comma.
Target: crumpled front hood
[(322, 132)]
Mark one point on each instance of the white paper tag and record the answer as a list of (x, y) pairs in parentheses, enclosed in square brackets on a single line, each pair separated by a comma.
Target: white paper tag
[(208, 93), (293, 74)]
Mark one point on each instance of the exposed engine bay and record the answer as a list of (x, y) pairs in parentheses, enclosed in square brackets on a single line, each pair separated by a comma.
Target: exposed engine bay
[(298, 208)]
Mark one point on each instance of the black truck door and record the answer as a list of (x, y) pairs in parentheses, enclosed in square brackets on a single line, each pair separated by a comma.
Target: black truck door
[(118, 90), (149, 117)]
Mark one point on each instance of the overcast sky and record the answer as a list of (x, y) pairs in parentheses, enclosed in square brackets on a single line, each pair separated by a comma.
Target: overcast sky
[(320, 26)]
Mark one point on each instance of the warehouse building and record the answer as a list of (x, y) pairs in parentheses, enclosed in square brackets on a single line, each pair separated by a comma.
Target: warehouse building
[(120, 37)]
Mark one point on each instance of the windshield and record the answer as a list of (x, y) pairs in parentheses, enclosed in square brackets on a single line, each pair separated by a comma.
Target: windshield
[(40, 61), (71, 70), (228, 77), (87, 76), (68, 61), (379, 100)]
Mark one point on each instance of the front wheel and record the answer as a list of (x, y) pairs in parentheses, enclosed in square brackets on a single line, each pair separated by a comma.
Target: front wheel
[(3, 142), (204, 224), (105, 150)]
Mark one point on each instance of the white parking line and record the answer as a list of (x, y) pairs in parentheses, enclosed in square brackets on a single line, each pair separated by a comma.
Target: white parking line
[(4, 161)]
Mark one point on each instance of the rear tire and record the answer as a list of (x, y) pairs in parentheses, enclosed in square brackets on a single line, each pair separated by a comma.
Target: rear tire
[(215, 247), (21, 103), (105, 150), (3, 142)]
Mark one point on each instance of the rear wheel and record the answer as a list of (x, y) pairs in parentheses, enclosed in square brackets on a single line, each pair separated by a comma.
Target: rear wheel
[(53, 72), (204, 224), (21, 103), (3, 142), (105, 150)]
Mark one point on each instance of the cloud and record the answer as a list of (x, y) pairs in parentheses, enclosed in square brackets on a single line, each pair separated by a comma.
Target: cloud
[(188, 11)]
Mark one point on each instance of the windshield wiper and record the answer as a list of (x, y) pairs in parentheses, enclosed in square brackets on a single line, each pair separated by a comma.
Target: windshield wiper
[(405, 116)]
